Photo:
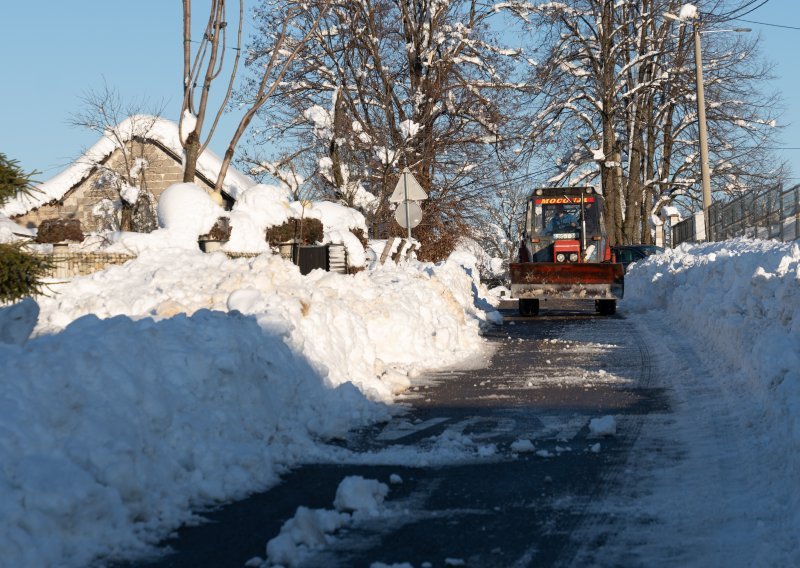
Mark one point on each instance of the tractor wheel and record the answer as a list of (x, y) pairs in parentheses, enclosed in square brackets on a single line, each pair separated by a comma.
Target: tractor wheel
[(528, 307), (606, 307)]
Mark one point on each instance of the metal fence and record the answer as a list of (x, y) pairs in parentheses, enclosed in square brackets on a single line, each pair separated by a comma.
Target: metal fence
[(66, 265), (769, 214)]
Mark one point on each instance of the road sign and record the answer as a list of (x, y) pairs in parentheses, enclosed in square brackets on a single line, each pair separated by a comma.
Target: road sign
[(407, 189), (414, 215)]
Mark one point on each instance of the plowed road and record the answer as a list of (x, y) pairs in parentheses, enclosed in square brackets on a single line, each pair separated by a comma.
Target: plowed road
[(487, 505)]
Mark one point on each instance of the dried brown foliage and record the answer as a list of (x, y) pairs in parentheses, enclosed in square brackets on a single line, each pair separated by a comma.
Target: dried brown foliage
[(303, 230), (221, 231), (59, 230), (362, 238)]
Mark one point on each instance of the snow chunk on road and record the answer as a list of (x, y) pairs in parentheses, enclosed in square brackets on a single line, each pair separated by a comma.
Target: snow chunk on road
[(311, 530), (522, 446), (605, 426), (360, 496), (308, 531)]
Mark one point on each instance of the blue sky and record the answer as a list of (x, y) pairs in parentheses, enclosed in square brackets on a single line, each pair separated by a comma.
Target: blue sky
[(55, 51)]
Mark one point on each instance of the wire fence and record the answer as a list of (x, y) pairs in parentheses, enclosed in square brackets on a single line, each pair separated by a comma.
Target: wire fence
[(67, 265), (773, 213)]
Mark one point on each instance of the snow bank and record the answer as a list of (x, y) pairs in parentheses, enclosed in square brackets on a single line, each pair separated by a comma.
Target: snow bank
[(738, 408), (114, 428), (182, 379), (741, 297)]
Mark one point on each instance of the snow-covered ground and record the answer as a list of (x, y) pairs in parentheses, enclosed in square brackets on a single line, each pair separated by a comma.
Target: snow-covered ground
[(132, 396), (183, 379), (714, 483), (180, 380)]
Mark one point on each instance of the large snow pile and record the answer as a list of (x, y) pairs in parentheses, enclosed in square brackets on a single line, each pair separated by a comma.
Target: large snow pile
[(186, 211), (737, 401), (741, 297), (176, 201), (181, 379), (264, 206)]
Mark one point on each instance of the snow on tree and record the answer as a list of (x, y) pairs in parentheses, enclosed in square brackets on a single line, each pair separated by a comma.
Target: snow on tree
[(21, 272), (622, 114), (124, 202), (204, 64), (388, 84)]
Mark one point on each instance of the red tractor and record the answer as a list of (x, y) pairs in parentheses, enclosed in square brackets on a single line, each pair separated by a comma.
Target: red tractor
[(564, 253)]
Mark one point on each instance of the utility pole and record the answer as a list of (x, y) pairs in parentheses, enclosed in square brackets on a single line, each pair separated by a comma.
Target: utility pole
[(701, 119), (705, 175)]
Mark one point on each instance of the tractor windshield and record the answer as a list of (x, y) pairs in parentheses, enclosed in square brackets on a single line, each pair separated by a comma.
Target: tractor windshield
[(561, 218)]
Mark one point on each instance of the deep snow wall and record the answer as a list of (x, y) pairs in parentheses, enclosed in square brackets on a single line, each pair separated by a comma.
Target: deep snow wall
[(182, 379)]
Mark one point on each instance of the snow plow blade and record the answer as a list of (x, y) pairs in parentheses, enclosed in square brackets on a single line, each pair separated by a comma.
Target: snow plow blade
[(589, 281)]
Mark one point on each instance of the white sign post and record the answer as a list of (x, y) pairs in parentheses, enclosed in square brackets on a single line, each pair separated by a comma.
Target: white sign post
[(406, 191)]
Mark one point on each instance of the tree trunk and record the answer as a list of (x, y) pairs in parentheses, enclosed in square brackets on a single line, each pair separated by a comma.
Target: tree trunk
[(192, 151), (126, 217)]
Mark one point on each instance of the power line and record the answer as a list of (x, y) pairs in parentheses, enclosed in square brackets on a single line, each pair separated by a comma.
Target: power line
[(727, 16), (767, 24), (752, 9)]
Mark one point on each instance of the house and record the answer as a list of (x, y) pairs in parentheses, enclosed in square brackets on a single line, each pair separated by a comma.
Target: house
[(147, 153), (146, 149)]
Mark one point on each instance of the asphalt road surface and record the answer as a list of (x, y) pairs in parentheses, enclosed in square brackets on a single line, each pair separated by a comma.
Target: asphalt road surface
[(548, 377)]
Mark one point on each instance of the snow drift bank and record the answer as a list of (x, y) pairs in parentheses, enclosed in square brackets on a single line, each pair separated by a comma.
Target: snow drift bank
[(731, 499), (741, 298), (181, 379), (186, 211)]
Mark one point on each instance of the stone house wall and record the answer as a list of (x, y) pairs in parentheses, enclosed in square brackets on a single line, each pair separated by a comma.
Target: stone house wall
[(163, 169)]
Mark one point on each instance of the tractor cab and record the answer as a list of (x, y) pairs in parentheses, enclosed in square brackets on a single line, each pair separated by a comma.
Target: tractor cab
[(564, 225)]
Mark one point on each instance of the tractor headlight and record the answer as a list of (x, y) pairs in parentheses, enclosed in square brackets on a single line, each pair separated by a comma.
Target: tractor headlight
[(573, 257), (560, 257)]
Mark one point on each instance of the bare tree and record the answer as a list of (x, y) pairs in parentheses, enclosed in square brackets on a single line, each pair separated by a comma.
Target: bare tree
[(203, 66), (501, 226), (388, 84), (121, 184), (622, 108)]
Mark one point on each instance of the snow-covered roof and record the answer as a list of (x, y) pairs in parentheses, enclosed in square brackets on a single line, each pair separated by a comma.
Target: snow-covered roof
[(11, 232), (159, 130)]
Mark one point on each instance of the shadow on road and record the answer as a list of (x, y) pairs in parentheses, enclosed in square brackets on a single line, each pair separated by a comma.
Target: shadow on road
[(548, 377)]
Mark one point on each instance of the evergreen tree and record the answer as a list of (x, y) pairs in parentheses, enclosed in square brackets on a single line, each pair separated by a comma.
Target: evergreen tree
[(20, 271)]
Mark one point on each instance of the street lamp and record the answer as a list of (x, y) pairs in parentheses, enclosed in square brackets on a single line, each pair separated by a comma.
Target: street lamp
[(689, 12)]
